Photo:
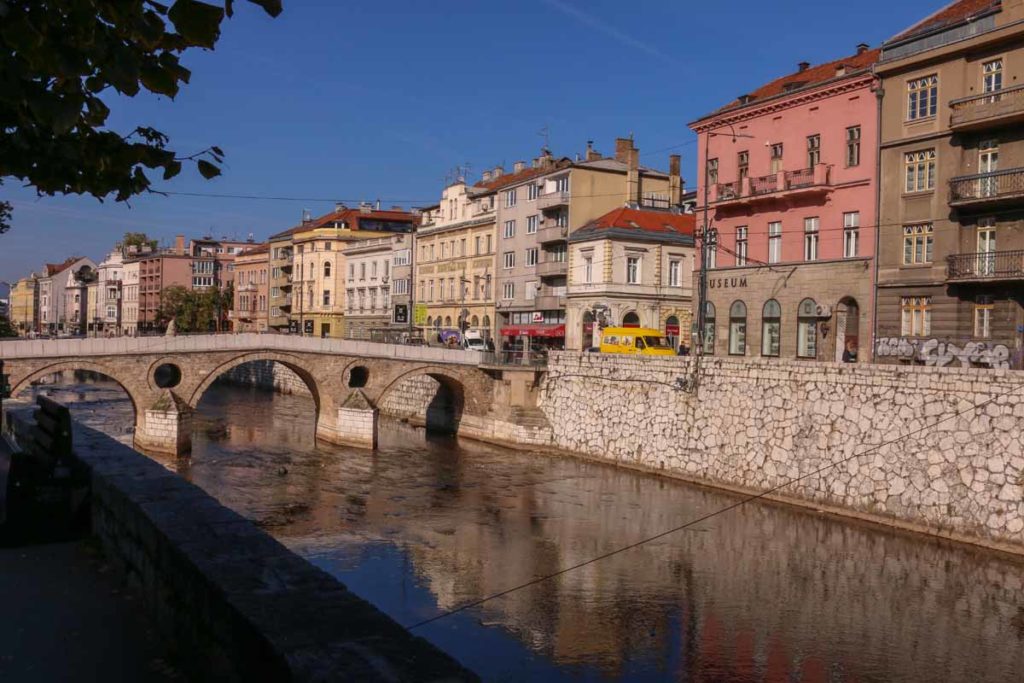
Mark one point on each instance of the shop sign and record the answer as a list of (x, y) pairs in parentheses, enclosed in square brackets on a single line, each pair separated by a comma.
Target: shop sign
[(537, 317), (401, 314), (419, 315), (307, 326), (727, 282)]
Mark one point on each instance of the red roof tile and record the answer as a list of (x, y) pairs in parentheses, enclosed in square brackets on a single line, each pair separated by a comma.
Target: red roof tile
[(54, 268), (950, 14), (351, 216), (808, 77), (509, 179), (646, 220)]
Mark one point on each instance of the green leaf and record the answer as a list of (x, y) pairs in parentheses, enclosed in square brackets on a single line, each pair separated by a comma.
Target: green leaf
[(159, 81), (207, 169), (197, 22), (172, 169), (217, 150)]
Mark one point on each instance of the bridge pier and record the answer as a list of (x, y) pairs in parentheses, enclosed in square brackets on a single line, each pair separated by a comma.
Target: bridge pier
[(165, 427), (355, 423)]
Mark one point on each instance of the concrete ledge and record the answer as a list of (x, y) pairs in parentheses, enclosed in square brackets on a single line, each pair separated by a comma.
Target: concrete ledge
[(235, 603)]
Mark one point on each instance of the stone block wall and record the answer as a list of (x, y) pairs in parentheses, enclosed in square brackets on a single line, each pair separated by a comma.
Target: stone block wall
[(266, 374), (410, 398), (757, 424)]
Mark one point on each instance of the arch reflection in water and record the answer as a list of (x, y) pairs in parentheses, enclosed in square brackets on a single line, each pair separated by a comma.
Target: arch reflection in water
[(762, 593)]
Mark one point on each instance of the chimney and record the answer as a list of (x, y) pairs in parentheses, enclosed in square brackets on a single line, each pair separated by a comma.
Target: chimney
[(675, 190), (622, 149), (486, 176), (179, 244), (592, 154), (339, 206), (840, 69), (518, 166), (803, 66), (498, 172), (862, 48), (633, 175)]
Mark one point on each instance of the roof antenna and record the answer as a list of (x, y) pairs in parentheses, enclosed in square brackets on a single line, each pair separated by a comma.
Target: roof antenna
[(545, 133)]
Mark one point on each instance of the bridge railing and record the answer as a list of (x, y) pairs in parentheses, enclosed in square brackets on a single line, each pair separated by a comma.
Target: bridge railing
[(536, 359), (78, 348)]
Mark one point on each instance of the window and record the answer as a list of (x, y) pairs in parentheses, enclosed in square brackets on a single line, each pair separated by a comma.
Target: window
[(811, 239), (430, 296), (401, 286), (776, 157), (712, 171), (489, 247), (774, 242), (738, 329), (558, 255), (508, 290), (444, 250), (443, 290), (813, 150), (743, 164), (920, 168), (851, 233), (916, 319), (562, 219), (531, 256), (327, 298), (479, 242), (807, 329), (588, 269), (918, 243), (983, 317), (532, 190), (992, 76), (532, 222), (327, 246), (709, 329), (771, 328), (462, 248), (510, 198), (741, 245), (373, 269), (988, 164), (510, 230), (675, 278), (509, 260), (853, 146), (922, 97), (562, 183), (986, 242), (362, 271), (633, 270), (327, 268)]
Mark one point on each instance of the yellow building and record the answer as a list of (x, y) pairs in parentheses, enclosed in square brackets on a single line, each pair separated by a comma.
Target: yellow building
[(24, 304), (454, 269)]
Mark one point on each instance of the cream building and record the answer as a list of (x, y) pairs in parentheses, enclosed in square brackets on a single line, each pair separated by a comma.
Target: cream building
[(130, 297), (454, 270), (250, 310), (24, 306), (369, 282), (632, 267)]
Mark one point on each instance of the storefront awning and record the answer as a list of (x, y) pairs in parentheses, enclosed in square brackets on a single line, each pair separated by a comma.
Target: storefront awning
[(533, 331)]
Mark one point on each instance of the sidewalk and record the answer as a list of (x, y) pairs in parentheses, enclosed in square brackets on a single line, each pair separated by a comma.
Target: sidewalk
[(66, 618)]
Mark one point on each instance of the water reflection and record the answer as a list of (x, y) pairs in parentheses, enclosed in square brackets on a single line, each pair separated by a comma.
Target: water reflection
[(762, 593)]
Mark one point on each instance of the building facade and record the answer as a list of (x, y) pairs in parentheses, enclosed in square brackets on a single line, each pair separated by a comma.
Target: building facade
[(539, 206), (631, 267), (455, 264), (951, 252), (790, 189), (369, 282), (130, 297), (53, 293), (109, 291), (80, 300), (250, 312), (24, 305), (157, 270)]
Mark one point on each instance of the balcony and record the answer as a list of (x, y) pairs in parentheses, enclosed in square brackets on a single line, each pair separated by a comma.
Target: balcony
[(552, 200), (552, 268), (549, 302), (554, 233), (987, 189), (806, 181), (988, 110), (992, 266)]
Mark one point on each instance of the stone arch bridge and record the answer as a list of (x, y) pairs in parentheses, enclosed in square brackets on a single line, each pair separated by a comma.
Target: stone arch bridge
[(165, 377)]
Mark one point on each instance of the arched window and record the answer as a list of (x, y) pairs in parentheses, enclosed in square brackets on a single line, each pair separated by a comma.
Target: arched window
[(486, 323), (631, 319), (430, 321), (709, 329), (437, 323), (738, 329), (807, 329), (672, 330), (327, 268), (474, 322), (447, 321), (771, 328)]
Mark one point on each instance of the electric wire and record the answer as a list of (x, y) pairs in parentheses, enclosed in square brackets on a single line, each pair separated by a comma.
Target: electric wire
[(705, 517)]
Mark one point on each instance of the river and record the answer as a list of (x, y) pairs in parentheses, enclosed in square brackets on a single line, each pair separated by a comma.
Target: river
[(761, 593)]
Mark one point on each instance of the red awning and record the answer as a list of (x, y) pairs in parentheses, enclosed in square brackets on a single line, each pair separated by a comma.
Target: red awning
[(533, 331)]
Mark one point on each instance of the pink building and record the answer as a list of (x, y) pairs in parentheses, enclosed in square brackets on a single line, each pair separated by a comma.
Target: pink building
[(791, 192)]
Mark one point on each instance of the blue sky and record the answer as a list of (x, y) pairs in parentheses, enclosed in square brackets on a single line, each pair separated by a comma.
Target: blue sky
[(365, 100)]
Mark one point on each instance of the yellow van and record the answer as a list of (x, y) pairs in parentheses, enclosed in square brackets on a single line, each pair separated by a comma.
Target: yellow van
[(641, 340)]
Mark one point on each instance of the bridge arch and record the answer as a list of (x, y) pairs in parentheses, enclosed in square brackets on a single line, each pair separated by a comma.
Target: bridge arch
[(439, 404), (289, 361), (134, 393)]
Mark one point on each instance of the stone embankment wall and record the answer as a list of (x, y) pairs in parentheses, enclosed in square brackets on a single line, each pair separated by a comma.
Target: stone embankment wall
[(266, 374), (232, 601), (756, 424)]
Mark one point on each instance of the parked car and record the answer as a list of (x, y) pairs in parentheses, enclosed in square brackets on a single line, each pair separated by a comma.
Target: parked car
[(635, 340)]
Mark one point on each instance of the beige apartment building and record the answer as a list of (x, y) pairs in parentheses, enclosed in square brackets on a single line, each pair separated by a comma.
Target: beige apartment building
[(454, 267), (369, 283), (950, 282), (130, 296), (539, 206), (252, 288), (24, 306)]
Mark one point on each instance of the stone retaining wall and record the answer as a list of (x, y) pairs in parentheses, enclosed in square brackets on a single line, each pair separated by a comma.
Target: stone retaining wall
[(236, 604), (266, 374), (758, 424), (410, 398)]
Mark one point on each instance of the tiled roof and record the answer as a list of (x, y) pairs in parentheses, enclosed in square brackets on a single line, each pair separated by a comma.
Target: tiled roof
[(811, 76), (258, 249), (950, 14), (637, 220), (54, 268), (351, 216), (509, 179)]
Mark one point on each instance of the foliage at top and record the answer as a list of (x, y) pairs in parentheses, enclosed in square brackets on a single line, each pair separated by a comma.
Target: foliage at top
[(6, 329), (59, 58), (138, 239), (195, 310)]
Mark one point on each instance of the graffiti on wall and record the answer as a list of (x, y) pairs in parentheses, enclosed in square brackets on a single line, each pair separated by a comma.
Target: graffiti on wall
[(938, 353)]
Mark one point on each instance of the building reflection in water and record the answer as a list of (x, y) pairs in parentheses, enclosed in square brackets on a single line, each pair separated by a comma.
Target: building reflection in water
[(762, 593)]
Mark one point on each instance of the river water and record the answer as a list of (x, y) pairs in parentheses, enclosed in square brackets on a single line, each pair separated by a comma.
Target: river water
[(761, 593)]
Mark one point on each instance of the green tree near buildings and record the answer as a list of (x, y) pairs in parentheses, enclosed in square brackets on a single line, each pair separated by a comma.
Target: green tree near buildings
[(61, 63), (137, 239), (195, 311), (6, 328)]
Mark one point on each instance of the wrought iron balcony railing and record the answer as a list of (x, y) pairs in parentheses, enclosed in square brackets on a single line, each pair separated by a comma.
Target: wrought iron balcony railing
[(987, 188), (987, 109), (990, 265)]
